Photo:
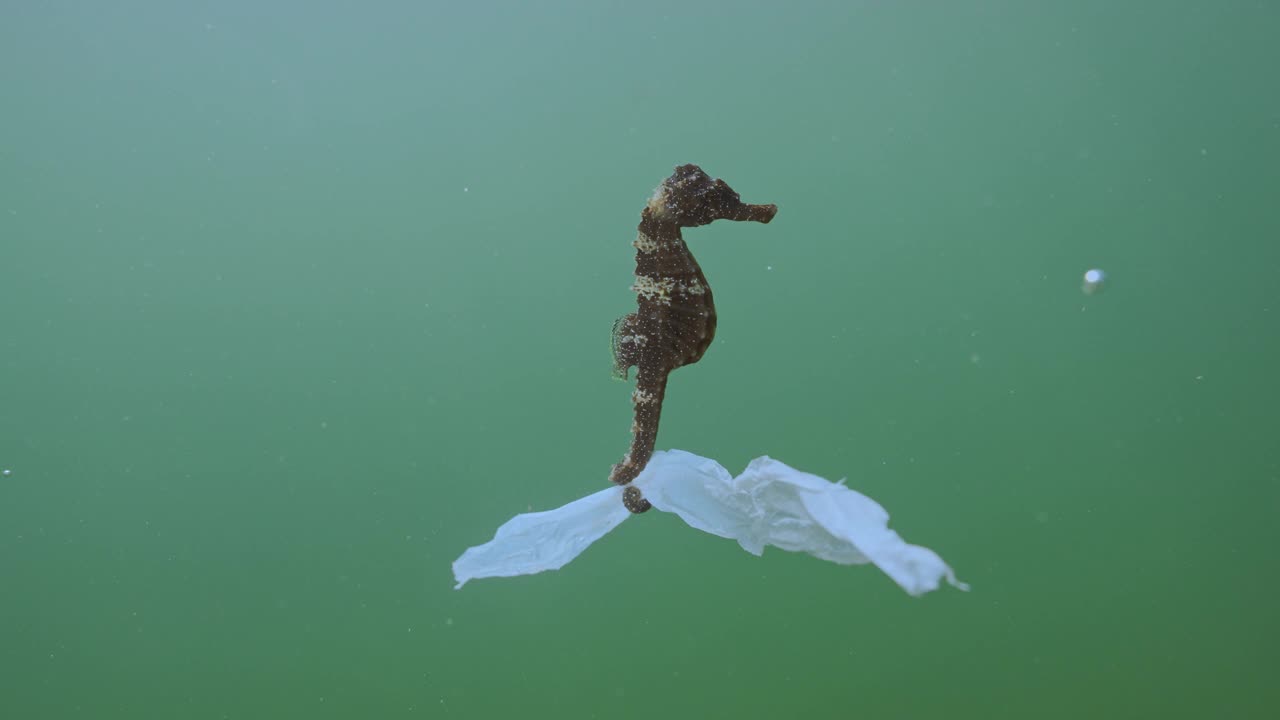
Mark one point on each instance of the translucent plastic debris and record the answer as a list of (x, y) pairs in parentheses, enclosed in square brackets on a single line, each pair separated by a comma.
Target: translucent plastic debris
[(532, 542), (770, 503)]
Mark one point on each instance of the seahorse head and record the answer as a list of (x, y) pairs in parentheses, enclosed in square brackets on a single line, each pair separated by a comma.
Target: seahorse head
[(690, 198)]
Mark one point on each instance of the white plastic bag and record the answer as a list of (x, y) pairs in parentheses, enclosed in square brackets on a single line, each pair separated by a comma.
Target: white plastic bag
[(768, 504)]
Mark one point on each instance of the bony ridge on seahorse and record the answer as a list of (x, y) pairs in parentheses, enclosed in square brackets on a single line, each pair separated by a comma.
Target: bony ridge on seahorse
[(675, 319)]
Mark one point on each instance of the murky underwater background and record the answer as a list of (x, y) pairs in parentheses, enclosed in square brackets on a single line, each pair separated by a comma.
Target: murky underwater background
[(299, 300)]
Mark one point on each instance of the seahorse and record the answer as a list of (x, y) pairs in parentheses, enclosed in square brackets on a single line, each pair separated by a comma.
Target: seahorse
[(675, 320)]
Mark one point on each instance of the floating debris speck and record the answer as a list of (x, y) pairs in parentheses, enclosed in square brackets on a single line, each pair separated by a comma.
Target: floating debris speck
[(1095, 281)]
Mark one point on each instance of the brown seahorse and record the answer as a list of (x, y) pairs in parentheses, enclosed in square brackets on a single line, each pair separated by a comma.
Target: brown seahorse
[(676, 318)]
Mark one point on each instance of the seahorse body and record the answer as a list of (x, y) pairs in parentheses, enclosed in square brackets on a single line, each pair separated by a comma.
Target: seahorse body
[(675, 320)]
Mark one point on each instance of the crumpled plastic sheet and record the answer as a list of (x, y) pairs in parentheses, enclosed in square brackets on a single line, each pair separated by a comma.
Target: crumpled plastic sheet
[(770, 503)]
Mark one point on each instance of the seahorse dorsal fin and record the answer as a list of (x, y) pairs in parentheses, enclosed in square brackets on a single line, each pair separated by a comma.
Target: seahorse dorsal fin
[(620, 366)]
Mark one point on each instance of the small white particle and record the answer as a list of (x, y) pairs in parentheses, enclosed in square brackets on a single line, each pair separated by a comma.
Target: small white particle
[(1095, 281), (466, 189)]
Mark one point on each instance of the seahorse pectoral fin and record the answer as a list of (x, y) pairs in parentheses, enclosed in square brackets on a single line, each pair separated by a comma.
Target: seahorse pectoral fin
[(621, 345), (620, 373)]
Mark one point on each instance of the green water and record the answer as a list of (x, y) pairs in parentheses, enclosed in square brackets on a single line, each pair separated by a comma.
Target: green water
[(299, 300)]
